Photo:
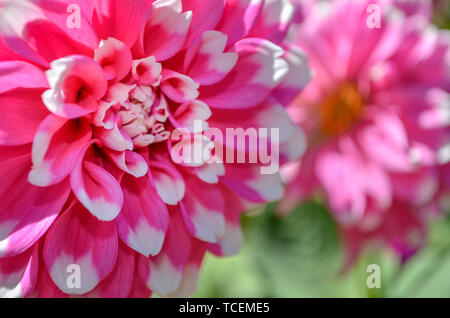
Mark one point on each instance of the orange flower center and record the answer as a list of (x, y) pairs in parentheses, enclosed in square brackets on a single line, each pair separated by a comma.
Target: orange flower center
[(339, 111)]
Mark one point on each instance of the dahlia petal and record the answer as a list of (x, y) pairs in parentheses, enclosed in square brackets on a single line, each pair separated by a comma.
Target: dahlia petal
[(263, 126), (211, 172), (45, 287), (41, 32), (139, 289), (419, 187), (260, 68), (206, 15), (98, 191), (115, 58), (163, 273), (22, 106), (191, 150), (178, 87), (248, 182), (274, 21), (239, 18), (203, 211), (115, 138), (26, 211), (297, 78), (421, 7), (346, 195), (56, 148), (51, 42), (147, 71), (207, 64), (188, 113), (438, 116), (118, 284), (386, 142), (95, 254), (122, 20), (165, 31), (18, 274), (144, 219), (130, 162), (294, 147), (356, 182), (231, 242), (188, 283), (13, 47), (104, 117), (56, 12), (15, 74), (77, 83), (168, 181)]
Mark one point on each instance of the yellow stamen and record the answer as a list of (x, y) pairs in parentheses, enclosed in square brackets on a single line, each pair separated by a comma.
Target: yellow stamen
[(339, 112)]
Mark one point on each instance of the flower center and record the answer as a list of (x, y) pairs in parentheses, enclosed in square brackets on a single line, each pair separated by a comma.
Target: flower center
[(339, 111), (144, 117)]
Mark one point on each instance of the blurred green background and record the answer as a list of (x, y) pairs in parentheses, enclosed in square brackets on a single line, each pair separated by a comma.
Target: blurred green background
[(301, 256)]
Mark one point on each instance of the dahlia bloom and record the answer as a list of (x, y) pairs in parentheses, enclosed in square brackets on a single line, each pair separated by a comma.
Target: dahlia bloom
[(376, 115), (91, 93)]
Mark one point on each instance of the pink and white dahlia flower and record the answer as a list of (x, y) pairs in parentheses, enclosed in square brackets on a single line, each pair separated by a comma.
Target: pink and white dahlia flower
[(91, 93), (376, 115)]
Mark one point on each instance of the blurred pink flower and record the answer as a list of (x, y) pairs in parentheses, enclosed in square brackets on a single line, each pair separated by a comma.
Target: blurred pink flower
[(88, 105), (377, 116)]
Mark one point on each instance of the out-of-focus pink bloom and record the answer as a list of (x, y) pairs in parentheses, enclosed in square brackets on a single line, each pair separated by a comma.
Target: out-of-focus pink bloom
[(377, 116), (90, 93)]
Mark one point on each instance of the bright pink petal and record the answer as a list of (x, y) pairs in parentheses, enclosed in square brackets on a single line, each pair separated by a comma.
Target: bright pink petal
[(238, 18), (144, 219), (163, 273), (22, 111), (247, 181), (188, 283), (122, 20), (297, 78), (422, 7), (386, 142), (207, 64), (260, 68), (139, 289), (43, 31), (168, 181), (45, 287), (12, 46), (147, 71), (115, 138), (77, 84), (189, 113), (16, 74), (26, 211), (78, 238), (115, 59), (205, 16), (56, 148), (274, 21), (57, 13), (231, 241), (130, 162), (98, 191), (18, 274), (203, 208), (178, 87), (119, 283), (165, 30)]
